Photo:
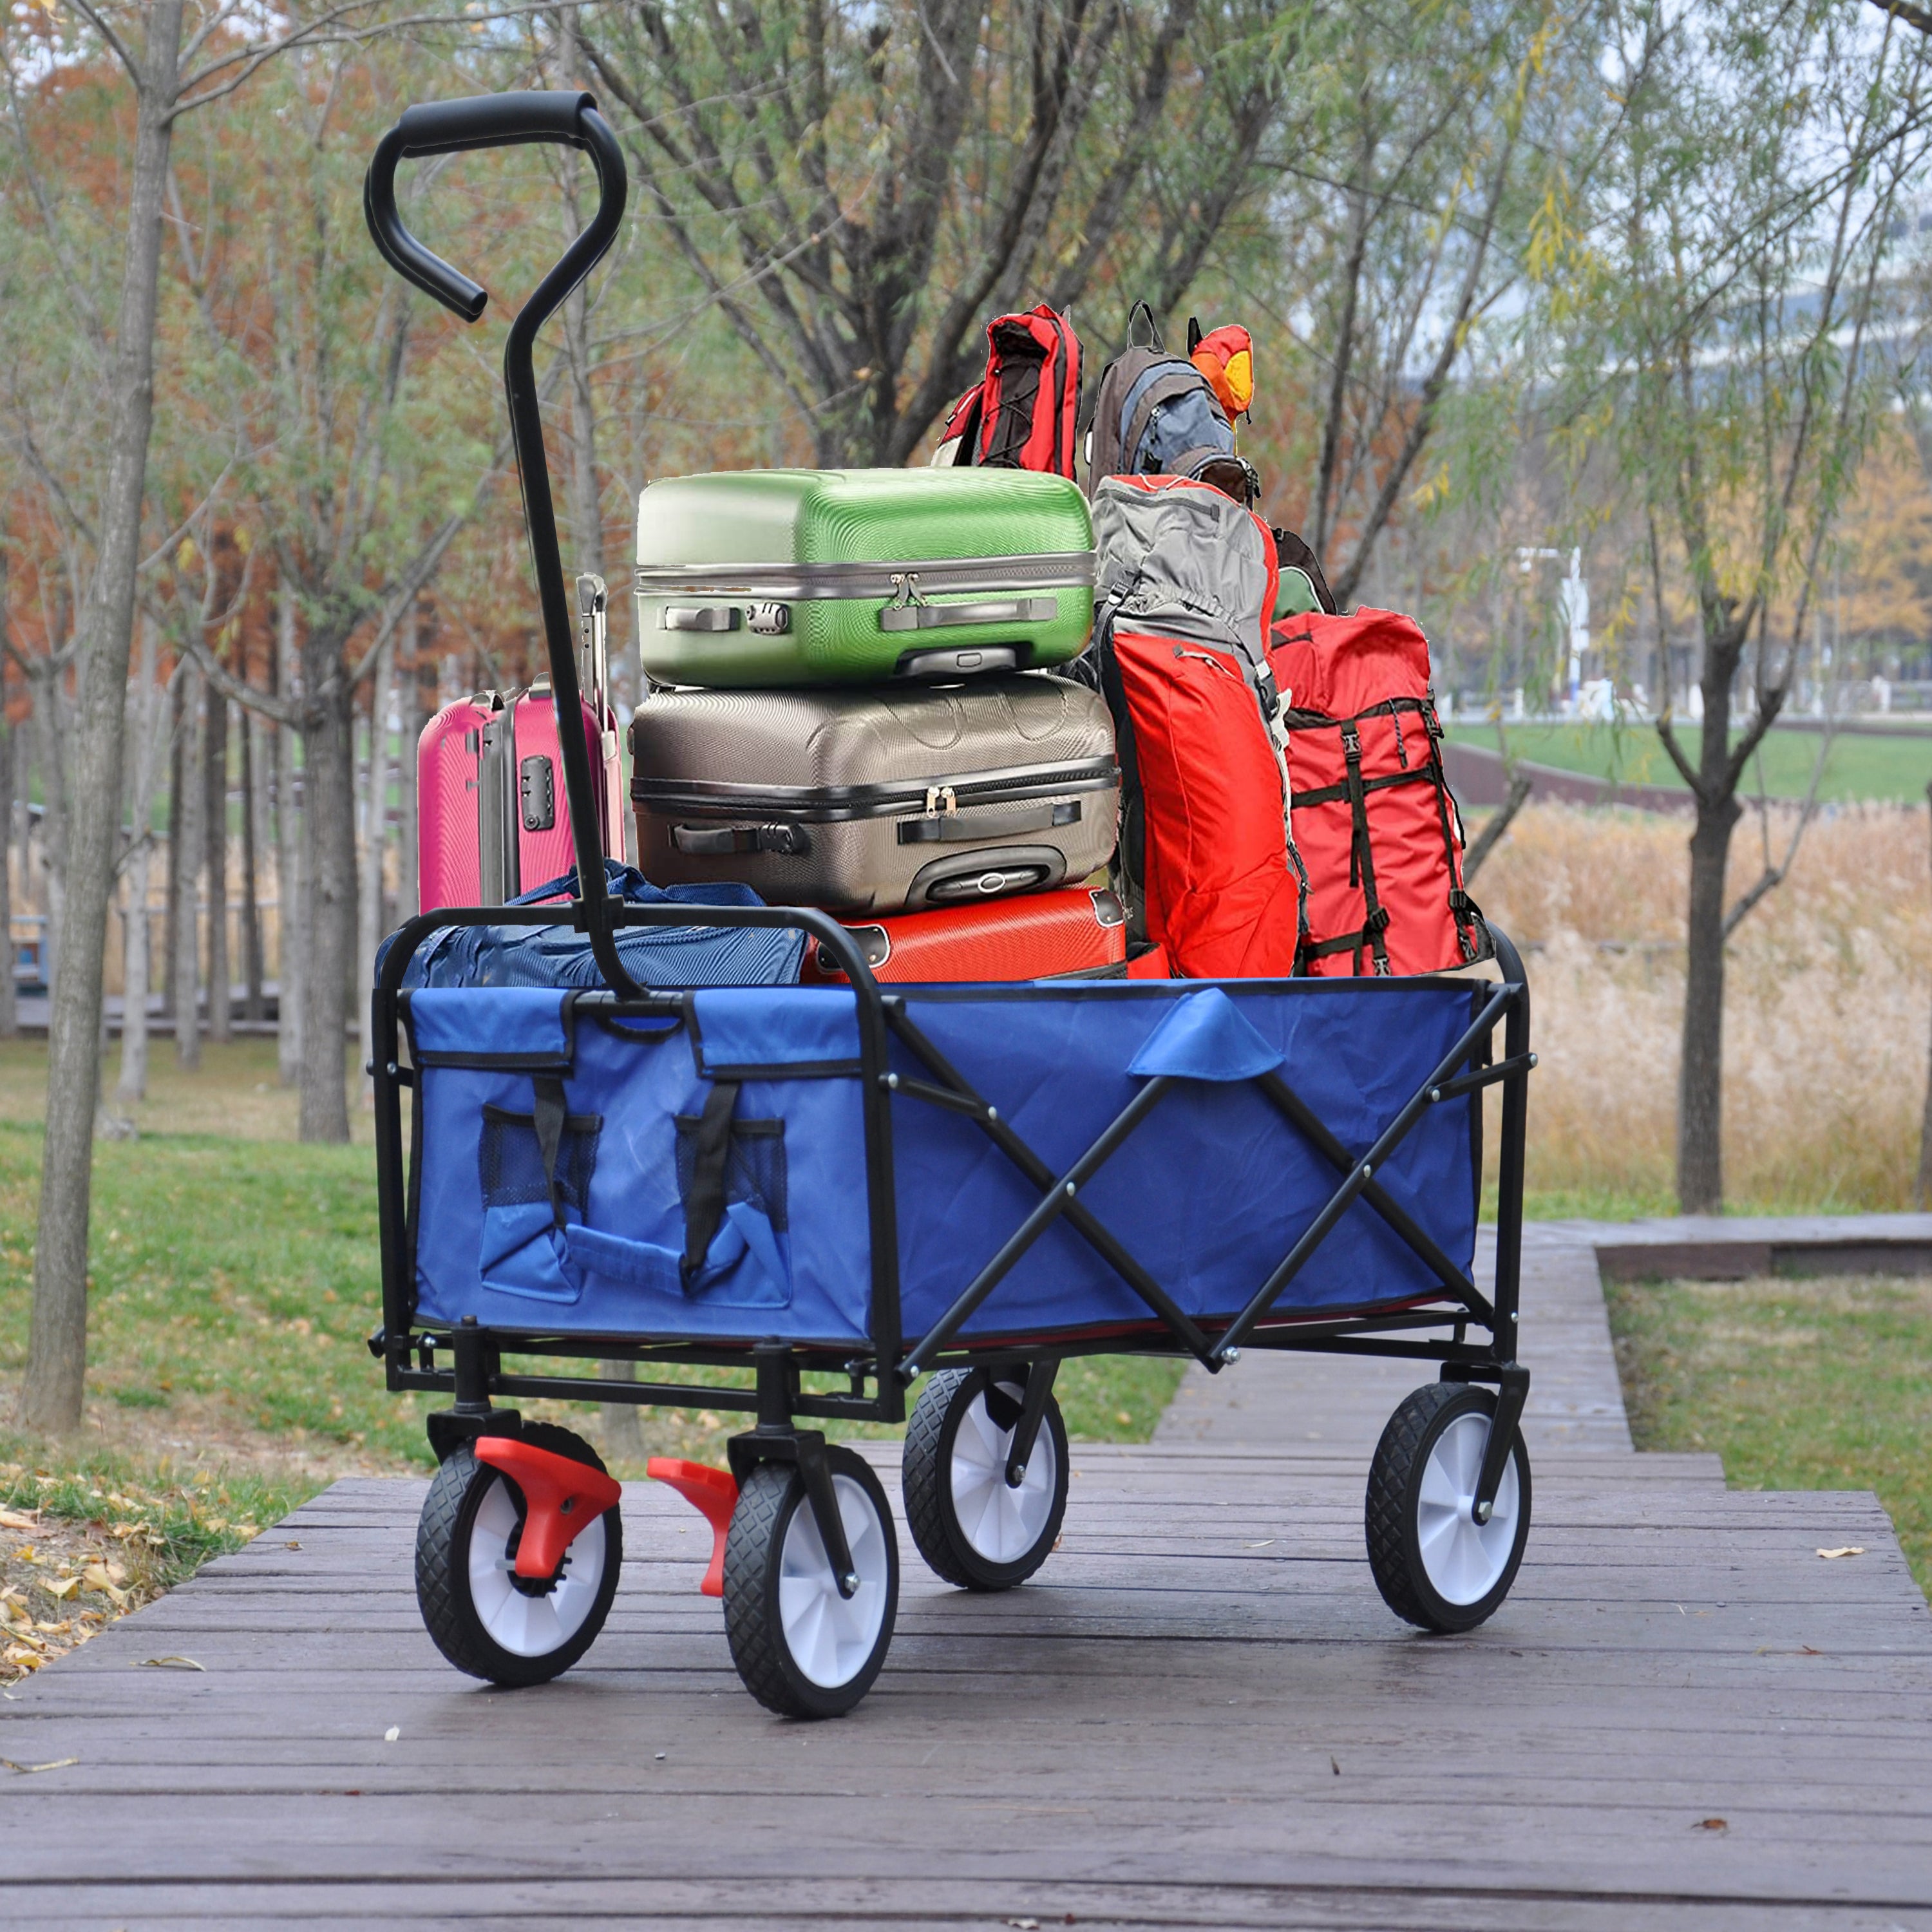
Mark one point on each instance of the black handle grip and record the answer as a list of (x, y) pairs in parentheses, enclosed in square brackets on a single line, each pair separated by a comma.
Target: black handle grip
[(503, 121), (446, 127)]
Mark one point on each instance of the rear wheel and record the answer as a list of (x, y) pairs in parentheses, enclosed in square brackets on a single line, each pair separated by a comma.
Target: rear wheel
[(803, 1648), (1435, 1565), (971, 1525), (485, 1618)]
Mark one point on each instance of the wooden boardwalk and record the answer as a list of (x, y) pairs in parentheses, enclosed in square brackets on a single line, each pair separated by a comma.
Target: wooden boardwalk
[(1199, 1714)]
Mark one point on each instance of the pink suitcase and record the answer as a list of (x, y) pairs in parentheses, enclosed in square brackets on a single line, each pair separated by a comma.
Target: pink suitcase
[(493, 820)]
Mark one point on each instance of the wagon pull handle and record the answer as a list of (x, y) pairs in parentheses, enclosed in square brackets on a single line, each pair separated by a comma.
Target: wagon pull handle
[(569, 118)]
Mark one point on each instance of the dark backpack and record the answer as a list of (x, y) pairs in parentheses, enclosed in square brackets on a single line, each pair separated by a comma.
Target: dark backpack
[(1023, 413), (1157, 415)]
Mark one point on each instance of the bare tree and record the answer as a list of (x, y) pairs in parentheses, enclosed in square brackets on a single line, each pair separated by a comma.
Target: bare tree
[(855, 191), (1731, 287)]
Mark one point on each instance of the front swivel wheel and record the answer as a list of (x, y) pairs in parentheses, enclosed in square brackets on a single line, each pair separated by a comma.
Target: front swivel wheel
[(485, 1618), (803, 1647), (1436, 1564)]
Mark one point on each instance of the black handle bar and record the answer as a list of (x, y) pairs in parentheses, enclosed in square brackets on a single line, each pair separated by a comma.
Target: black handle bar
[(503, 121)]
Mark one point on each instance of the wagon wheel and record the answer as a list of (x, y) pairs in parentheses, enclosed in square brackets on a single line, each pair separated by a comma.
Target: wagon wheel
[(803, 1648), (483, 1617), (1435, 1565), (974, 1526)]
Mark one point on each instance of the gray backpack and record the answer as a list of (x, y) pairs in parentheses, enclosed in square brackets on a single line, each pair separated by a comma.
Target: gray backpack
[(1156, 415)]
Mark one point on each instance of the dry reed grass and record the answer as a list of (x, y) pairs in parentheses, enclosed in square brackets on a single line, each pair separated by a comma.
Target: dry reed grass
[(1828, 1009)]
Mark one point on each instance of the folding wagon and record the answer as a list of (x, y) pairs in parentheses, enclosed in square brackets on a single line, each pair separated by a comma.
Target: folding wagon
[(856, 1193)]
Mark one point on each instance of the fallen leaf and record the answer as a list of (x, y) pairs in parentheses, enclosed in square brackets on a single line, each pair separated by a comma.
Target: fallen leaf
[(96, 1577), (1843, 1549), (62, 1589), (170, 1664), (1267, 1544), (1335, 1767), (292, 1545), (53, 1764), (26, 1553), (1710, 1825), (14, 1519), (390, 1736)]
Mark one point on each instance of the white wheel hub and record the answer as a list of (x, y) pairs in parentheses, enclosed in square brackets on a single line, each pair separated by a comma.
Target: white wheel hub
[(1001, 1522), (830, 1637), (527, 1626), (1465, 1559)]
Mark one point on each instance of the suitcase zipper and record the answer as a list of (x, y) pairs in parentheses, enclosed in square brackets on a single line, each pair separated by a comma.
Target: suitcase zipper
[(828, 804), (909, 583)]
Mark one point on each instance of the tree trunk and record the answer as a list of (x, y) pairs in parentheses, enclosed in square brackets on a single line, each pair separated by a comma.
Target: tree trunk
[(57, 1347), (409, 887), (10, 1012), (375, 837), (137, 972), (251, 908), (214, 824), (54, 771), (1700, 1167), (291, 922), (186, 996), (329, 825), (1921, 1192), (171, 917)]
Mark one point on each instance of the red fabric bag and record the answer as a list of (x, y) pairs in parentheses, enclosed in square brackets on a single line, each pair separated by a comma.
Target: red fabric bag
[(1021, 414), (1380, 838)]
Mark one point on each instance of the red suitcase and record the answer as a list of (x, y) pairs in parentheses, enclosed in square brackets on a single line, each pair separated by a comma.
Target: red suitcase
[(492, 818), (1033, 936)]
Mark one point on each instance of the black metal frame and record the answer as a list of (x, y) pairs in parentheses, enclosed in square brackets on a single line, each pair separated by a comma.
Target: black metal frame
[(475, 1375)]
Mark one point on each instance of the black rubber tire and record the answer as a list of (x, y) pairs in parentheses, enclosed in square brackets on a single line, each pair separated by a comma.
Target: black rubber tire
[(770, 1495), (1395, 1481), (442, 1565), (925, 1475)]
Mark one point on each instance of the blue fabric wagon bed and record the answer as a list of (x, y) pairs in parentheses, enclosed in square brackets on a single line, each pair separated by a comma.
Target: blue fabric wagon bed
[(567, 1152)]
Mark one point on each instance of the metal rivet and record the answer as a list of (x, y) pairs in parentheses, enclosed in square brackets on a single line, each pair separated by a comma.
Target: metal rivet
[(1069, 1187), (1230, 1354), (992, 1113), (892, 1081)]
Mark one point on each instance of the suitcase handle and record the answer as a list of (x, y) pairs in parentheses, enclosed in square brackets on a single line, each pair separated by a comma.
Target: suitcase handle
[(570, 118), (939, 617)]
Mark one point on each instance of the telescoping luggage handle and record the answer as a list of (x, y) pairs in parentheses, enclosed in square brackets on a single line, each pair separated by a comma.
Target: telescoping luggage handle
[(504, 121)]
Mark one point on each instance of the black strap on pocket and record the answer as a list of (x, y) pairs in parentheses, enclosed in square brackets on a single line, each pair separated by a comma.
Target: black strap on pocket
[(704, 1205), (548, 1114)]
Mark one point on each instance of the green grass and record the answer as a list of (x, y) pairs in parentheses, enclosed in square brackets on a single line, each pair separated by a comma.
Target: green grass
[(1797, 1384), (1896, 767)]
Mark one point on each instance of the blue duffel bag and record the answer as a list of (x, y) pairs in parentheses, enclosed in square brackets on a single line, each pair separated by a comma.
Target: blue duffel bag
[(556, 955)]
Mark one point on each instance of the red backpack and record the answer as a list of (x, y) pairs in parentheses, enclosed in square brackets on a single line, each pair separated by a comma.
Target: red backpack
[(1377, 828), (1021, 413), (1185, 581)]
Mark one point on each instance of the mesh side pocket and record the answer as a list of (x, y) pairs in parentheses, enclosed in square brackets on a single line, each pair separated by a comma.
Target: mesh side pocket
[(510, 1160), (755, 1170)]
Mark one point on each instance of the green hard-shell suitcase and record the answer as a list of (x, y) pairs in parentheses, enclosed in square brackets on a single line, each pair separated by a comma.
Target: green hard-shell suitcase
[(796, 577)]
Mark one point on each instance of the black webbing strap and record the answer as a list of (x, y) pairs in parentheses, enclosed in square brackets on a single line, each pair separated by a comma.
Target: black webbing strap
[(1333, 794), (1361, 854), (548, 1114), (1460, 905), (704, 1205)]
